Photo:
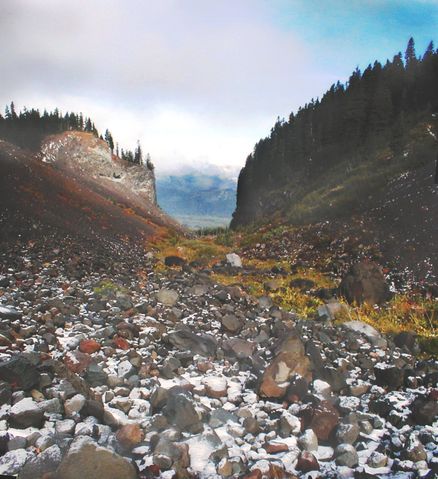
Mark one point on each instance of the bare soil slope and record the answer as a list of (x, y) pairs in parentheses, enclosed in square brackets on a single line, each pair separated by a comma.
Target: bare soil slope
[(66, 197)]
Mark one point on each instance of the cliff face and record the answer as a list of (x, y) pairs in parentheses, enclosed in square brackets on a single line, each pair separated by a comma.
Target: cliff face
[(85, 154)]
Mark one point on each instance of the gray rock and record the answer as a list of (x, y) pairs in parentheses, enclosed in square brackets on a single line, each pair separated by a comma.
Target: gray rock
[(20, 372), (7, 312), (181, 412), (65, 427), (95, 375), (125, 369), (185, 340), (12, 462), (346, 455), (87, 460), (168, 297), (377, 459), (74, 405), (234, 260), (239, 348), (26, 413), (347, 433), (308, 440), (231, 323), (373, 336), (44, 463)]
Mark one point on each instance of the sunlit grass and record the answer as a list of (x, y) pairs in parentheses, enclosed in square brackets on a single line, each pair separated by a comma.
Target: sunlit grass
[(405, 312)]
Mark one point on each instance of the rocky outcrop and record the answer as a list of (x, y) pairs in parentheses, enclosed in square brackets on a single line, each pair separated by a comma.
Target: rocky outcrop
[(93, 157)]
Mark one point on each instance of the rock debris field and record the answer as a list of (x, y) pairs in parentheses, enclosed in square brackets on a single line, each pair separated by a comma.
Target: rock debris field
[(112, 368)]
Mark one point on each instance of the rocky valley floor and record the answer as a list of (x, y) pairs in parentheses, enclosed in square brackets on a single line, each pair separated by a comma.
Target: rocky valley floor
[(114, 366)]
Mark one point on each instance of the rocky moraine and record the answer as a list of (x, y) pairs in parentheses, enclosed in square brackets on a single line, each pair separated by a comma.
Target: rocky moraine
[(111, 367)]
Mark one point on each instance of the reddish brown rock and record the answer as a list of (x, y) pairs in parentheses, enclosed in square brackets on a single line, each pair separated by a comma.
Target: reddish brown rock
[(277, 472), (276, 447), (289, 362), (89, 346), (130, 435), (204, 366), (121, 343), (215, 386), (323, 419), (307, 462), (76, 361)]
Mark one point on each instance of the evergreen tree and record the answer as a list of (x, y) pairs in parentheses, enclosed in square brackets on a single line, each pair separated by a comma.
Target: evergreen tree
[(410, 56), (109, 140)]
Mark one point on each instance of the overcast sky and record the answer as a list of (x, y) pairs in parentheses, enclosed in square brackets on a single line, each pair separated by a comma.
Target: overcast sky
[(199, 82)]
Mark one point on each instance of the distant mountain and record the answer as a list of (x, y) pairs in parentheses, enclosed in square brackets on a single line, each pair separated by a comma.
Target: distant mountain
[(197, 200)]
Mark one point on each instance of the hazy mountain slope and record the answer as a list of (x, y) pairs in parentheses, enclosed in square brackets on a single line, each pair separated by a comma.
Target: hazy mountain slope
[(197, 200), (75, 187)]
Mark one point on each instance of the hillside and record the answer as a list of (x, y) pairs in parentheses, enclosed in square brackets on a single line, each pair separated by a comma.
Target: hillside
[(75, 187), (197, 200), (343, 154)]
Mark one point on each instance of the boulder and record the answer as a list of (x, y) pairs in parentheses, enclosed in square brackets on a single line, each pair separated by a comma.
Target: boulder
[(239, 348), (19, 372), (372, 335), (322, 419), (173, 260), (7, 312), (388, 376), (77, 361), (12, 462), (42, 465), (307, 462), (424, 410), (87, 460), (289, 361), (96, 376), (365, 283), (308, 440), (346, 455), (231, 323), (185, 340), (234, 260), (168, 297), (215, 386), (89, 346), (26, 413), (129, 436), (180, 411)]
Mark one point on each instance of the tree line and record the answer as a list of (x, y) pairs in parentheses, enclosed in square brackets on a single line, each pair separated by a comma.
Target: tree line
[(374, 107), (27, 128)]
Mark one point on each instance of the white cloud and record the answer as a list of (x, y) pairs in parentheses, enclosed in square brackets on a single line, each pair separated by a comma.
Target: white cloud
[(197, 82)]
